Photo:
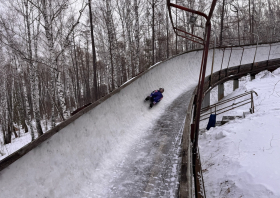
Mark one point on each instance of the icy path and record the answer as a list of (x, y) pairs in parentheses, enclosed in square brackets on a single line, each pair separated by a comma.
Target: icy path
[(150, 169)]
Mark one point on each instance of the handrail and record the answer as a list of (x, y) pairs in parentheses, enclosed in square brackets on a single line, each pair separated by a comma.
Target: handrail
[(223, 102), (228, 100), (204, 111)]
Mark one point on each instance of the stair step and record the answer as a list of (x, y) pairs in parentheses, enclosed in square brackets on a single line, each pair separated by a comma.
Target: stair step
[(202, 131), (225, 119), (228, 118), (218, 123), (246, 114)]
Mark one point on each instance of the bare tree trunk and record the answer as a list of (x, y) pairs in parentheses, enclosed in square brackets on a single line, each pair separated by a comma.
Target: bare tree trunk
[(31, 70), (125, 66), (137, 37), (34, 72), (5, 112), (153, 32), (28, 109), (250, 22), (238, 27), (93, 54), (129, 24), (88, 95), (222, 24), (50, 44), (176, 20), (111, 39), (167, 35), (253, 21)]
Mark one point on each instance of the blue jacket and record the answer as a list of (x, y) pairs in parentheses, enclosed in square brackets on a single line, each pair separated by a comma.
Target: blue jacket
[(157, 96)]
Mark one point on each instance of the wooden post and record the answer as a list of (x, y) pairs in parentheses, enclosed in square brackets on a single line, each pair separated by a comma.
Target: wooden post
[(235, 84), (252, 102), (241, 56), (220, 91)]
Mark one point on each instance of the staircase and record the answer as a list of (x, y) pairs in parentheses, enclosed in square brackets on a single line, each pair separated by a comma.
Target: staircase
[(226, 119)]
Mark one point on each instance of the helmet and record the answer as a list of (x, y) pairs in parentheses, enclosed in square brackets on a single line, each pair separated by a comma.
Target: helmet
[(161, 90)]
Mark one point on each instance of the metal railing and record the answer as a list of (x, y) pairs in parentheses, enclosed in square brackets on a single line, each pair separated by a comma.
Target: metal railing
[(205, 41), (207, 111)]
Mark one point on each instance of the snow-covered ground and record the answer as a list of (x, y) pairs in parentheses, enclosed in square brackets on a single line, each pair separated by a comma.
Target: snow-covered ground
[(22, 139), (242, 157), (93, 156), (19, 142)]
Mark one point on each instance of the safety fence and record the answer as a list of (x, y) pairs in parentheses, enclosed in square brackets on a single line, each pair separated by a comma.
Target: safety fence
[(227, 60), (207, 111)]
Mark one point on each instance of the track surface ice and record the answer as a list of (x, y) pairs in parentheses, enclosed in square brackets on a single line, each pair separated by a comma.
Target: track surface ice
[(151, 168)]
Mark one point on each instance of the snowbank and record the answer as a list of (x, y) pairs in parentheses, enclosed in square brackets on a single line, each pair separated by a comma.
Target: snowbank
[(241, 158)]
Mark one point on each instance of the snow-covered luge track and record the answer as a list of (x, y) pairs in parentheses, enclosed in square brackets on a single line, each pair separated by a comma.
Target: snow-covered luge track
[(78, 160), (151, 167)]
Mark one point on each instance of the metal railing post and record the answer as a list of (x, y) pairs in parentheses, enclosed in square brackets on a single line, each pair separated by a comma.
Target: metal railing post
[(222, 63), (242, 55), (256, 49), (252, 102), (223, 58), (229, 56), (215, 109), (213, 58), (269, 52)]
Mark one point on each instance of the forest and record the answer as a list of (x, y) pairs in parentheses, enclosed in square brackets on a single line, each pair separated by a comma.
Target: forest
[(59, 55)]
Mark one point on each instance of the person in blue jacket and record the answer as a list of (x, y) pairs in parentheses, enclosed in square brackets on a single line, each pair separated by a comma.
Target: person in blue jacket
[(155, 97)]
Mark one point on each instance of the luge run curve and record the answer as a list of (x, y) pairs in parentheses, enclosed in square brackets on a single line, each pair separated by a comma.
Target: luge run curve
[(78, 160)]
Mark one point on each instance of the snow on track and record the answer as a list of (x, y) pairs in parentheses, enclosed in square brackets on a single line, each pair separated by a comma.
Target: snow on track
[(151, 167)]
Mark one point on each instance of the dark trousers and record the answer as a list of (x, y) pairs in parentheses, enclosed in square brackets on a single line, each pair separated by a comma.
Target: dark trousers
[(149, 98)]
